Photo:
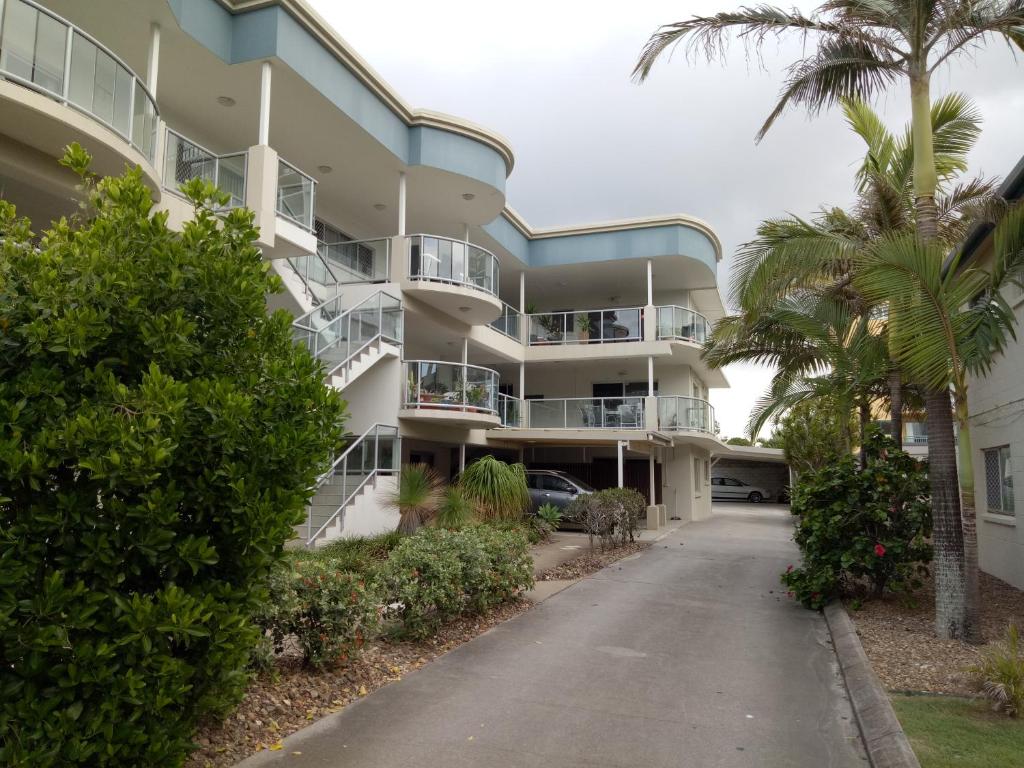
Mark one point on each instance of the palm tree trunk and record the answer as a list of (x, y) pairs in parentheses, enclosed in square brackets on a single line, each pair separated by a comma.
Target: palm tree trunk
[(947, 536), (864, 416), (896, 406), (972, 632), (951, 571)]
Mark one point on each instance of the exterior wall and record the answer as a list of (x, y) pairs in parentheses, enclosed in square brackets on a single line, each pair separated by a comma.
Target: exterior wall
[(996, 405)]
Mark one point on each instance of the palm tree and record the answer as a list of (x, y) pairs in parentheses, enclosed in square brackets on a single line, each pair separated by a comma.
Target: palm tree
[(949, 321), (863, 48)]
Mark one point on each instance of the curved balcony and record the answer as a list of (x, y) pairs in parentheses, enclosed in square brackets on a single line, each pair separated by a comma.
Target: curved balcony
[(457, 277), (456, 394), (50, 55), (676, 413), (682, 324)]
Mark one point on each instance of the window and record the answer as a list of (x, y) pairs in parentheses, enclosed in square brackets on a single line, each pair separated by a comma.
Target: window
[(716, 481), (731, 481), (533, 481), (999, 480)]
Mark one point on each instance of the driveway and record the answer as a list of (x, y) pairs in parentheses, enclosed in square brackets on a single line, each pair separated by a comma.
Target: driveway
[(686, 655)]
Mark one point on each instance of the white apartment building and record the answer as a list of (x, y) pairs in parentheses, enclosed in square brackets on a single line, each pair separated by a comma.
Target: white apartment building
[(996, 406), (452, 326)]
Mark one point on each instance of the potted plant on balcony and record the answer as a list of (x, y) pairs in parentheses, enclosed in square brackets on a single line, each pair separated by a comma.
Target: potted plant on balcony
[(583, 325), (554, 326), (476, 397)]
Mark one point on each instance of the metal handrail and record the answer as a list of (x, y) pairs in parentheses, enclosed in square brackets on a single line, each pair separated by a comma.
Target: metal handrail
[(304, 323), (696, 337), (637, 417), (450, 277), (669, 420), (214, 157), (505, 402), (288, 214), (463, 404), (371, 279), (341, 462), (307, 282), (64, 96), (566, 331)]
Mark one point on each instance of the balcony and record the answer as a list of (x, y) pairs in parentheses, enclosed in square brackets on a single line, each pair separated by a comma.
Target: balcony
[(457, 277), (185, 160), (587, 326), (585, 413), (689, 414), (46, 53), (456, 394), (681, 324), (509, 322)]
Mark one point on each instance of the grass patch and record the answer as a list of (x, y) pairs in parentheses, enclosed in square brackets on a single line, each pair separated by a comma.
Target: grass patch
[(358, 555), (948, 732)]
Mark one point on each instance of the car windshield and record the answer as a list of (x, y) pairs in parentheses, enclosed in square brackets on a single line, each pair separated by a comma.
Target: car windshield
[(583, 486)]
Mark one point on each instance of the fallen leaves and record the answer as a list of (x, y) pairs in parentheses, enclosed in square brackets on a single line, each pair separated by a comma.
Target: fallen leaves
[(589, 562)]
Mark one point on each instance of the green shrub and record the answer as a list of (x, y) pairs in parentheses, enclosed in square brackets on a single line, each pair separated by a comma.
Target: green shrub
[(1000, 674), (498, 489), (330, 613), (611, 515), (159, 434), (546, 521), (356, 555), (861, 527), (438, 574)]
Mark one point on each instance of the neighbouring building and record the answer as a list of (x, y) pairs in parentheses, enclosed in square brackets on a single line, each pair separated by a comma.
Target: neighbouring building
[(453, 327), (996, 406)]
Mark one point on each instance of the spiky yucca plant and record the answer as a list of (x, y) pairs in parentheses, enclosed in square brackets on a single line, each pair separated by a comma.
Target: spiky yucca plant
[(499, 489), (417, 497)]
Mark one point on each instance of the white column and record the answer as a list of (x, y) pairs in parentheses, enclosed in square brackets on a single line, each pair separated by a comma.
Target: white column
[(153, 59), (465, 350), (466, 238), (522, 381), (462, 458), (522, 292), (650, 375), (401, 203), (650, 282), (619, 446), (650, 472), (265, 104)]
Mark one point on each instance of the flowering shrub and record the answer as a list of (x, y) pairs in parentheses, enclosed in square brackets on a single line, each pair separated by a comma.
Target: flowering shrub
[(861, 527), (329, 612)]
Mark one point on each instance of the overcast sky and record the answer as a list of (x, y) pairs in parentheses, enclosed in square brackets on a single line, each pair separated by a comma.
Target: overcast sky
[(553, 78)]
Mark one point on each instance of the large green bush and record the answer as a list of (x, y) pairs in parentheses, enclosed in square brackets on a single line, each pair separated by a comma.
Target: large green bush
[(159, 434), (439, 574), (328, 612), (861, 528)]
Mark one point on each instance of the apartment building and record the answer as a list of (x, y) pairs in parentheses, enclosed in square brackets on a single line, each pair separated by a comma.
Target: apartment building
[(453, 327), (996, 406)]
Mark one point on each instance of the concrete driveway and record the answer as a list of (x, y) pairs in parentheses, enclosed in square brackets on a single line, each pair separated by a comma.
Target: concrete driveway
[(686, 655)]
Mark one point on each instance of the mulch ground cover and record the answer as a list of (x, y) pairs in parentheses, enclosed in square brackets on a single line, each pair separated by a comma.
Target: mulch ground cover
[(898, 635), (590, 562)]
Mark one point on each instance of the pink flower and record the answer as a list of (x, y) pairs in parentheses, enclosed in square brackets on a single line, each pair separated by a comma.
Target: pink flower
[(789, 569), (879, 550)]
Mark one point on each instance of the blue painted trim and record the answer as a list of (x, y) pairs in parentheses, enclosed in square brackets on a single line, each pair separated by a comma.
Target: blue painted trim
[(588, 247), (272, 32)]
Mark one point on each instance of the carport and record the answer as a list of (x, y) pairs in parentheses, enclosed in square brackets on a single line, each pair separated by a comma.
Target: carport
[(765, 467)]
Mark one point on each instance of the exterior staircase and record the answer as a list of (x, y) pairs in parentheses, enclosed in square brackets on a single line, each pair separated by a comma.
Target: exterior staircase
[(351, 496)]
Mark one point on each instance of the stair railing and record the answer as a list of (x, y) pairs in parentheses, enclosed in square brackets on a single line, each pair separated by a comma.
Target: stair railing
[(367, 457), (375, 319)]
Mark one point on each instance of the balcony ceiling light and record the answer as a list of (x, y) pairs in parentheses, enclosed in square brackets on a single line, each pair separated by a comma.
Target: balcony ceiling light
[(324, 168), (468, 195), (225, 101), (379, 206)]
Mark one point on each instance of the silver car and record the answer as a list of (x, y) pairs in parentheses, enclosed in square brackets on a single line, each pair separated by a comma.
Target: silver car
[(548, 486), (737, 490)]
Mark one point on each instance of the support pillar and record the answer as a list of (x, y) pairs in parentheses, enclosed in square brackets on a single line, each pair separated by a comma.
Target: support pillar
[(465, 350), (153, 59), (522, 292), (619, 445), (650, 472), (462, 458), (264, 138), (401, 203), (650, 281)]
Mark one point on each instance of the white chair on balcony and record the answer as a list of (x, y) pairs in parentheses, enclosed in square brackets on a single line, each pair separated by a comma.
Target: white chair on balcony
[(629, 417)]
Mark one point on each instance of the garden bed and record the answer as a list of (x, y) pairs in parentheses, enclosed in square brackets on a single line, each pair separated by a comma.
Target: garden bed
[(590, 562), (292, 696), (898, 635)]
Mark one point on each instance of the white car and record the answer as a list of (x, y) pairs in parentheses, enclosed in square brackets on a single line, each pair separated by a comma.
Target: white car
[(737, 490)]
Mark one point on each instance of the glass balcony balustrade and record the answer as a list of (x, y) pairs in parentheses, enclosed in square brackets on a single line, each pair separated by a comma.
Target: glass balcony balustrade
[(185, 160), (681, 324), (432, 384), (456, 262)]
